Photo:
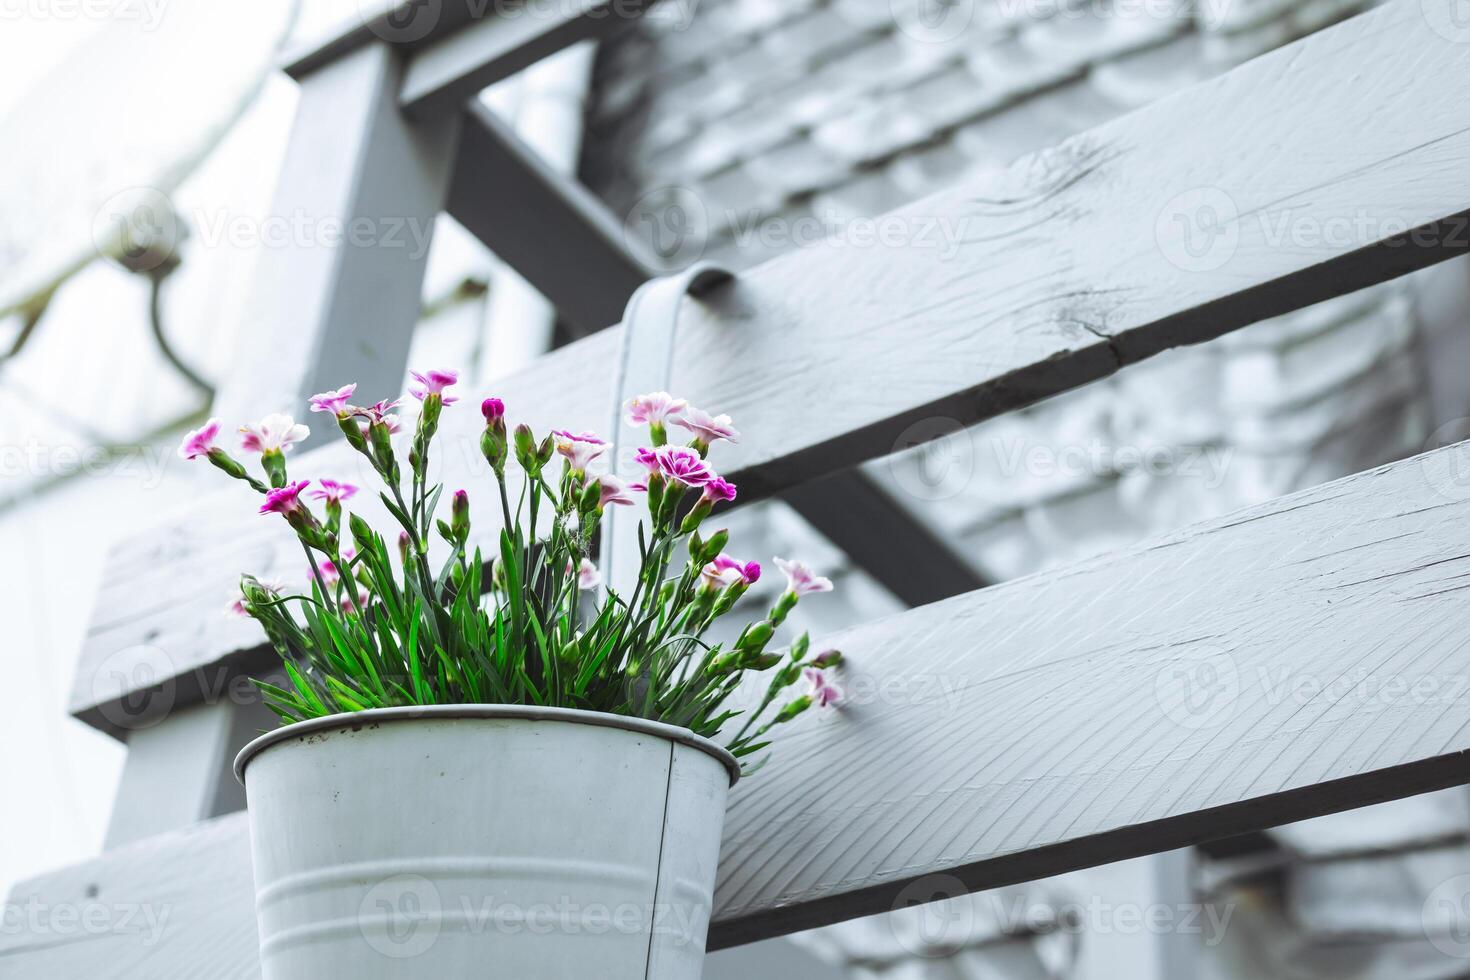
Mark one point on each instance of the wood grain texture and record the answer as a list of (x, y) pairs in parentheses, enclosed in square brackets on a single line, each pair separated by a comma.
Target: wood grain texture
[(1294, 659), (174, 907), (443, 74), (1284, 662), (543, 224), (1054, 276)]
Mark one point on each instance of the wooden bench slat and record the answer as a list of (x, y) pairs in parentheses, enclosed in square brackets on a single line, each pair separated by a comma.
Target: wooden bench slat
[(1291, 660), (829, 356), (177, 906)]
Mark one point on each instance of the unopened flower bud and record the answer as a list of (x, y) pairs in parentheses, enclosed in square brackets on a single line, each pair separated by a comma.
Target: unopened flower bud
[(712, 547), (459, 510), (793, 709), (755, 637), (525, 443), (362, 534), (273, 461), (829, 659)]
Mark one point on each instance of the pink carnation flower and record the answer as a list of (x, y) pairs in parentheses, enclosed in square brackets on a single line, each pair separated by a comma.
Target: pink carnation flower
[(333, 491), (823, 691), (724, 571), (717, 490), (493, 409), (200, 442), (580, 449), (434, 383), (285, 500), (274, 433), (588, 577), (801, 579), (677, 464), (612, 490), (380, 414), (333, 402), (707, 428), (654, 408)]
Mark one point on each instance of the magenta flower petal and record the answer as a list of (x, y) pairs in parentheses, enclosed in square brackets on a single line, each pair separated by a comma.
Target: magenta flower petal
[(274, 433), (707, 428), (333, 402), (654, 408), (434, 383), (676, 463), (717, 490), (823, 692), (285, 500), (801, 579), (612, 490), (200, 442), (333, 491), (580, 449)]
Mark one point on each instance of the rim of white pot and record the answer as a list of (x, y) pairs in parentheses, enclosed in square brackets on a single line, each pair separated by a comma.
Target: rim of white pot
[(438, 712)]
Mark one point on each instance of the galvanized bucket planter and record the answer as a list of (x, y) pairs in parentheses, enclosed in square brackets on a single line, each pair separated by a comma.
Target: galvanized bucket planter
[(484, 840)]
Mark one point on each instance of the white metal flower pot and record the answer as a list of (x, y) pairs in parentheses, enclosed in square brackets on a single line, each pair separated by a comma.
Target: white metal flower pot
[(484, 841)]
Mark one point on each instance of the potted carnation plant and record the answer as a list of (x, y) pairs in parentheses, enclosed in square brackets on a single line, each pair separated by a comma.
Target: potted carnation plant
[(491, 764)]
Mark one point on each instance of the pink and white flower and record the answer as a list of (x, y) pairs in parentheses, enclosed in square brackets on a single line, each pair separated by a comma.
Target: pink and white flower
[(612, 490), (434, 383), (285, 500), (725, 571), (707, 428), (200, 442), (380, 414), (580, 449), (801, 580), (717, 490), (333, 492), (654, 408), (588, 577), (823, 692), (677, 464), (272, 434), (334, 402)]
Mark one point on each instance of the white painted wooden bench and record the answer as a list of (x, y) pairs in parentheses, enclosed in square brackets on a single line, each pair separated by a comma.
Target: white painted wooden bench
[(1119, 707)]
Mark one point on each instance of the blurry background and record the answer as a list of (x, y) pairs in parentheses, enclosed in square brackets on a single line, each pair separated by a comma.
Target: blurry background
[(723, 131)]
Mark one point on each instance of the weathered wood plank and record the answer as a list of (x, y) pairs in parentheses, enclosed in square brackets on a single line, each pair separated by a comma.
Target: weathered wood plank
[(1062, 269), (443, 75), (546, 226), (173, 907), (1294, 659), (1280, 663)]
